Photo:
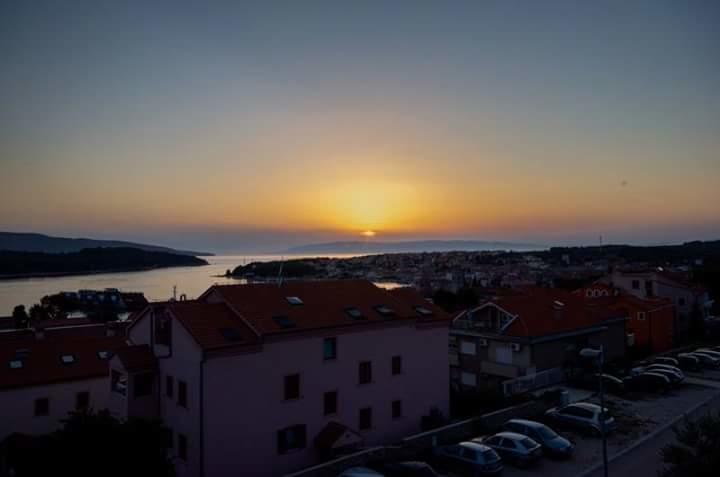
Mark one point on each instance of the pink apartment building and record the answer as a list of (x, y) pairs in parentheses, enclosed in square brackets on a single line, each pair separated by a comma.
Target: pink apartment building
[(264, 379)]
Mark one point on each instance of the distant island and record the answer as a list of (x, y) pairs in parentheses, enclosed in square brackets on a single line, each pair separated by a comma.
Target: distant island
[(30, 242), (415, 246), (90, 260)]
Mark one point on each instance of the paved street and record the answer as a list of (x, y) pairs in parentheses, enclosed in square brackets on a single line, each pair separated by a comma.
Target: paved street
[(645, 460)]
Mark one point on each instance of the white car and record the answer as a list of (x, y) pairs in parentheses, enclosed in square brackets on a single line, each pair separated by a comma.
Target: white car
[(583, 416)]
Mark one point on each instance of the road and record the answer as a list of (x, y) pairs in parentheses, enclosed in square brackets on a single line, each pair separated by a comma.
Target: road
[(645, 459)]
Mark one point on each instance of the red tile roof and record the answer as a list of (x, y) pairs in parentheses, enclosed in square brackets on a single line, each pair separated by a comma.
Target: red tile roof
[(325, 303), (41, 361), (207, 323), (137, 358), (547, 311)]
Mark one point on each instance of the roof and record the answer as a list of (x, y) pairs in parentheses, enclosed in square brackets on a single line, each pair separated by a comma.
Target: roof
[(32, 362), (547, 311), (137, 358), (511, 435), (268, 307), (212, 325)]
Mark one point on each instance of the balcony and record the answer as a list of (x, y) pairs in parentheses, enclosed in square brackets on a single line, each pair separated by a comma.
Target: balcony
[(500, 369)]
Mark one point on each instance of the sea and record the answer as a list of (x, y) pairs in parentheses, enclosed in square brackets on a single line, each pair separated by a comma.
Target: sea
[(157, 285)]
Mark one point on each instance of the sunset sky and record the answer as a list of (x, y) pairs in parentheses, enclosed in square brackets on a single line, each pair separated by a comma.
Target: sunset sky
[(233, 127)]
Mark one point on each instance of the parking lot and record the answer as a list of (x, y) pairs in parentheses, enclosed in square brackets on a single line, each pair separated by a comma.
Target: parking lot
[(635, 418)]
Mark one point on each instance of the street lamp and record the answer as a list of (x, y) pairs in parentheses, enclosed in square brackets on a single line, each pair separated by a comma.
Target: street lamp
[(599, 356)]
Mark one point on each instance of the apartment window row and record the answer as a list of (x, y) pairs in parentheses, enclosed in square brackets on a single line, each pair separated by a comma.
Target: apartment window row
[(294, 437), (291, 384), (181, 390), (182, 443), (41, 406)]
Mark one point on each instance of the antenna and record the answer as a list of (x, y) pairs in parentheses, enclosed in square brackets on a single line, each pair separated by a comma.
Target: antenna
[(279, 278), (174, 292), (601, 240)]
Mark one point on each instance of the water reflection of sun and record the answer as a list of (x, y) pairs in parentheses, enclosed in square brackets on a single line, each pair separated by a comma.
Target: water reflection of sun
[(369, 233)]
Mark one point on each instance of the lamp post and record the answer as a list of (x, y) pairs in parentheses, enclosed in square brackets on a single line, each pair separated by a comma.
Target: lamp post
[(599, 356)]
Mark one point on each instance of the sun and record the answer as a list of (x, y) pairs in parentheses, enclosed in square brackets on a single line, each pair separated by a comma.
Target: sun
[(369, 233)]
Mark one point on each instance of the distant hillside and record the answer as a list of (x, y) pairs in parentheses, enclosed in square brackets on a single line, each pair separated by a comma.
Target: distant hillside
[(362, 247), (90, 260), (27, 242)]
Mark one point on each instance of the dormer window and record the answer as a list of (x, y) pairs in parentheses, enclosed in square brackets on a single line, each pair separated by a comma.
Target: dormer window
[(294, 300), (67, 358), (16, 364), (421, 310), (103, 355), (354, 313), (384, 310)]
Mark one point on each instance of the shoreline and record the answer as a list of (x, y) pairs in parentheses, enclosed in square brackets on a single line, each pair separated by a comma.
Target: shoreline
[(21, 276)]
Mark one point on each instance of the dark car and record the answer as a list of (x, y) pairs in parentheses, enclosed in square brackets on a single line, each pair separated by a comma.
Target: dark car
[(514, 448), (649, 382), (687, 362), (468, 458), (553, 444), (408, 469)]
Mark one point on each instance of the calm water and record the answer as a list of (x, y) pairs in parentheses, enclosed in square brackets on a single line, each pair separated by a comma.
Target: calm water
[(155, 284)]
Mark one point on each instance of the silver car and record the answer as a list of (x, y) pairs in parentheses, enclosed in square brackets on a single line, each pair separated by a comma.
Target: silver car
[(583, 416), (513, 447)]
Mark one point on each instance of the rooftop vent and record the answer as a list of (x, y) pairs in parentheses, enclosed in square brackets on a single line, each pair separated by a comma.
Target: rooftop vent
[(68, 358), (385, 310), (231, 334), (283, 321), (423, 311), (354, 313), (16, 364), (294, 300)]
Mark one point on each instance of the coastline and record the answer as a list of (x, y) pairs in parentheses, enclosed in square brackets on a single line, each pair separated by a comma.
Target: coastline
[(20, 276)]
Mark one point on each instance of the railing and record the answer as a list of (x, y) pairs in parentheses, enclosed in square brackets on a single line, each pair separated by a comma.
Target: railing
[(533, 381)]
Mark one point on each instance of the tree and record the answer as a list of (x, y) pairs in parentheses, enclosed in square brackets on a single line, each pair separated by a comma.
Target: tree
[(697, 450), (20, 316), (93, 444)]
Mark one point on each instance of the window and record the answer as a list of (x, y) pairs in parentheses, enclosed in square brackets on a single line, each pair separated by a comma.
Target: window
[(16, 364), (330, 403), (365, 372), (468, 379), (294, 300), (82, 400), (104, 355), (182, 393), (385, 311), (169, 386), (396, 365), (118, 382), (421, 310), (354, 313), (681, 301), (636, 284), (468, 347), (42, 407), (291, 438), (365, 418), (143, 384), (397, 409), (329, 349), (182, 447), (292, 387), (641, 315), (163, 330), (67, 358)]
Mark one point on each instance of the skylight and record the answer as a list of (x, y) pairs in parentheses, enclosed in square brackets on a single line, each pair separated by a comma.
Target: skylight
[(558, 303), (423, 311), (231, 334), (16, 364), (283, 321), (354, 313), (67, 358), (103, 355), (384, 310), (294, 300)]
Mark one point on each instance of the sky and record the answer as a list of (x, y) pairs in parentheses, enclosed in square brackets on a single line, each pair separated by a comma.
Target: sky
[(248, 127)]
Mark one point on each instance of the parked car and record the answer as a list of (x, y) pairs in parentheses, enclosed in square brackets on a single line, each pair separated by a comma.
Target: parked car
[(687, 362), (470, 458), (590, 381), (583, 416), (408, 469), (679, 376), (709, 351), (649, 382), (673, 377), (553, 444), (359, 472), (513, 448), (707, 360), (666, 360)]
